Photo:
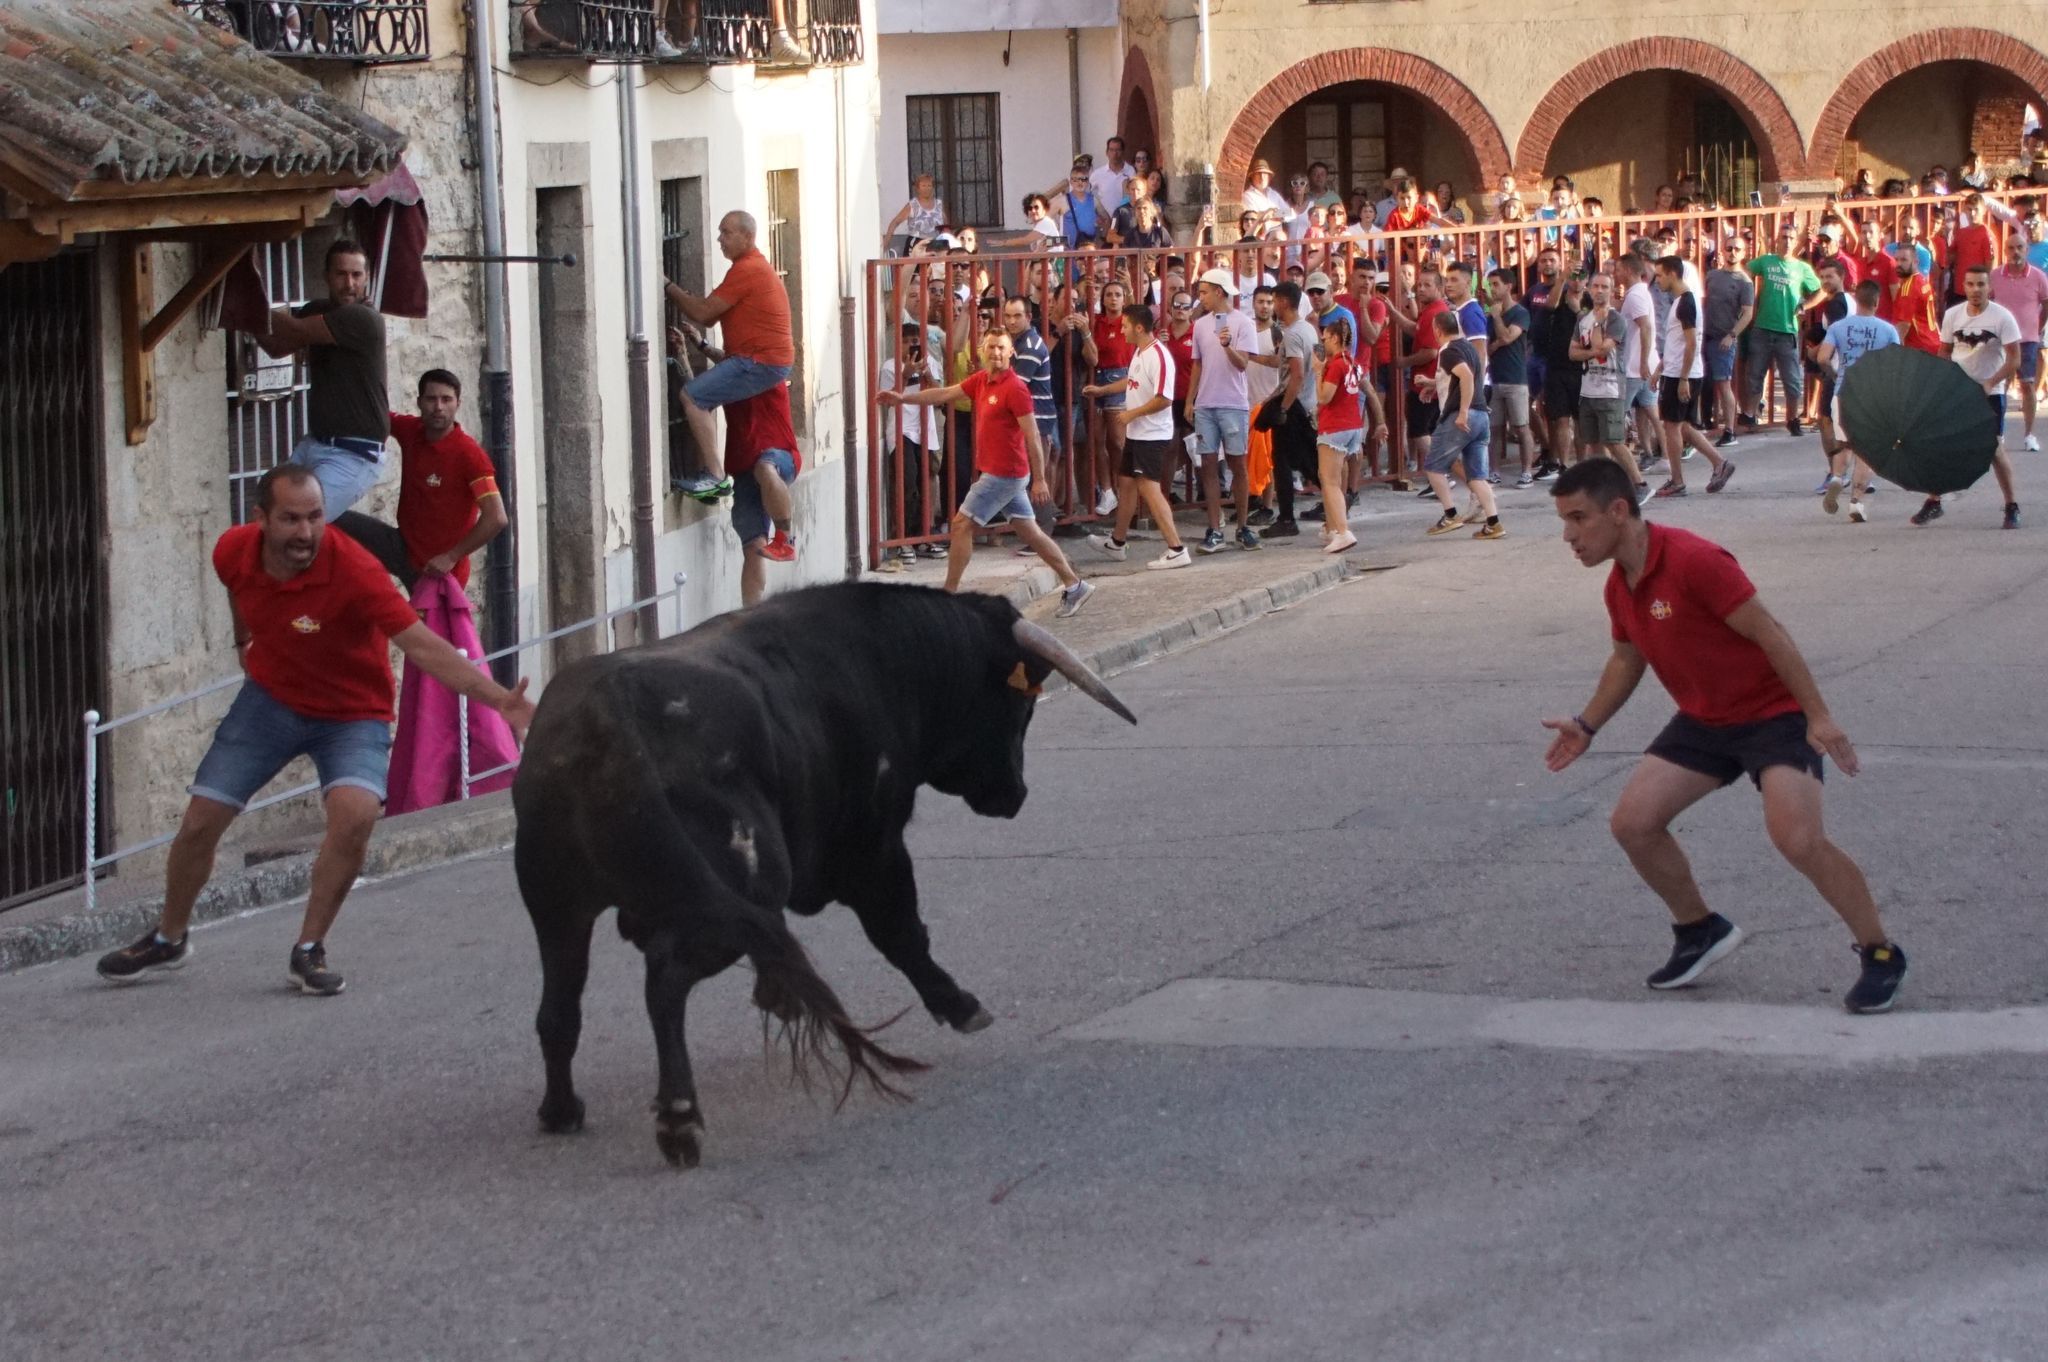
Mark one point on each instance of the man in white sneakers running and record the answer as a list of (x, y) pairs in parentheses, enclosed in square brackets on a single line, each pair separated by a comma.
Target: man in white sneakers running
[(1147, 421)]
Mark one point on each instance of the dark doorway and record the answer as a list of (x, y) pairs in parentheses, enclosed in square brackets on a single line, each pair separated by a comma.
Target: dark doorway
[(1723, 154)]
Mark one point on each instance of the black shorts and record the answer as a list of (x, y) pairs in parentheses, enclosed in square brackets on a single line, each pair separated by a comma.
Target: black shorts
[(1146, 459), (1725, 751), (1670, 407), (1422, 414), (1561, 390)]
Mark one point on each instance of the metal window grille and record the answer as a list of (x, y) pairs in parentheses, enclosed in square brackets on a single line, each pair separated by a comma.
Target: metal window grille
[(51, 614), (266, 397), (836, 38), (785, 253), (348, 30), (595, 30), (958, 139), (682, 261), (1723, 154)]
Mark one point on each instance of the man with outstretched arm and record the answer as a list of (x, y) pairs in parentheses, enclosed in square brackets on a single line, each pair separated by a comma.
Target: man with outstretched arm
[(1747, 705)]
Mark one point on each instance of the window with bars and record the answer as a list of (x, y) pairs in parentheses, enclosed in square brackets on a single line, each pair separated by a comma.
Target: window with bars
[(266, 397), (1350, 138), (682, 261), (958, 139), (784, 230)]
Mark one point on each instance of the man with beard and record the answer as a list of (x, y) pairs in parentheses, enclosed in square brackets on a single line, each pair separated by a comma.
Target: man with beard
[(348, 409)]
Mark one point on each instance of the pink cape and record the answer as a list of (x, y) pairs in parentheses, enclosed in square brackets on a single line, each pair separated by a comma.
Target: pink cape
[(426, 759)]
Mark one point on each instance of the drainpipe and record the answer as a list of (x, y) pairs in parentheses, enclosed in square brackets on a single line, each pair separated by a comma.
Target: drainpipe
[(849, 407), (501, 565), (638, 382), (1074, 84), (1208, 166)]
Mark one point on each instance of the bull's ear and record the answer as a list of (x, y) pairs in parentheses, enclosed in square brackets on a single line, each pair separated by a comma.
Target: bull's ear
[(1029, 676)]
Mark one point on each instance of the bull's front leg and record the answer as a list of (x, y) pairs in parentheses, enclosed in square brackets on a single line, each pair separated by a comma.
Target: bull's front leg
[(672, 971), (886, 903)]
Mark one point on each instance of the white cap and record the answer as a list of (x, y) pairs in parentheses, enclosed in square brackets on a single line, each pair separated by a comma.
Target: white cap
[(1221, 279)]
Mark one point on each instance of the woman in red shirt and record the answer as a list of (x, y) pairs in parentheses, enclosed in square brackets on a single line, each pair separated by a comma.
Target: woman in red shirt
[(1340, 429), (1110, 353)]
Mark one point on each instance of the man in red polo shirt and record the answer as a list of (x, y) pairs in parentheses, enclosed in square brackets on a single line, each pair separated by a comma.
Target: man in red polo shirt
[(448, 502), (758, 431), (1908, 301), (312, 612), (1681, 606)]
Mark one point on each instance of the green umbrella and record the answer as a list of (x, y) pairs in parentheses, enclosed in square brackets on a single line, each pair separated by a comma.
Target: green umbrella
[(1918, 419)]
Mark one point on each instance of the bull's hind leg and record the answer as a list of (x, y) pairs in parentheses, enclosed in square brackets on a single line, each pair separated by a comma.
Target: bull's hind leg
[(564, 965), (672, 971), (887, 907)]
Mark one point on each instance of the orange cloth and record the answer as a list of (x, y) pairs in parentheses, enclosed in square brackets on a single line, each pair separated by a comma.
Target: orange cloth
[(756, 327), (1259, 461)]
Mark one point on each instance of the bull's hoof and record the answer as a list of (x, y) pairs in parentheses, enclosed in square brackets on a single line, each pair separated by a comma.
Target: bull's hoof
[(775, 1001), (679, 1134), (979, 1021), (561, 1118)]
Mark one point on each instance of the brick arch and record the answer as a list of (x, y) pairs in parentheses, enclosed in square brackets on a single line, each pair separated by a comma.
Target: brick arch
[(1877, 70), (1778, 144), (1418, 76), (1138, 92)]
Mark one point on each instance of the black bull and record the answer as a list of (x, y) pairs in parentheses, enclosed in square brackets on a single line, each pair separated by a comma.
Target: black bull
[(767, 760)]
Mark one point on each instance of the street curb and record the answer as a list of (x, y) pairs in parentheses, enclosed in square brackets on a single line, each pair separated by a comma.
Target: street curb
[(437, 836)]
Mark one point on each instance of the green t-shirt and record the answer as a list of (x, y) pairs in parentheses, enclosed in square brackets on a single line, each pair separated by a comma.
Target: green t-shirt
[(1783, 283)]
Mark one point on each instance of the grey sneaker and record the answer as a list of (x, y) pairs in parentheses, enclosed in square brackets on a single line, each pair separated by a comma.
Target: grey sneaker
[(1073, 598), (308, 972), (1248, 539), (146, 956), (1212, 542)]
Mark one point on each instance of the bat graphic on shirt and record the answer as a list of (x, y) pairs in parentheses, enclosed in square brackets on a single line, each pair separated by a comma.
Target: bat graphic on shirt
[(1977, 338)]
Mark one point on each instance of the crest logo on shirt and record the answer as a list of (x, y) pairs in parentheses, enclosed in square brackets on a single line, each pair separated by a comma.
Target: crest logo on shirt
[(433, 479), (306, 624), (1660, 610)]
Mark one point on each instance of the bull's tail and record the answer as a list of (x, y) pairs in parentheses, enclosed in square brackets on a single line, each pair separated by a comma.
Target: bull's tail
[(791, 987)]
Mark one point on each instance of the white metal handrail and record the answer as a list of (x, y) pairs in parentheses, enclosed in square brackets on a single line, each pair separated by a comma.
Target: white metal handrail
[(96, 728)]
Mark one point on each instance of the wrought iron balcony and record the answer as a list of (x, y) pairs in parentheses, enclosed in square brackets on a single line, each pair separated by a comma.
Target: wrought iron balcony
[(586, 30), (774, 33), (323, 30)]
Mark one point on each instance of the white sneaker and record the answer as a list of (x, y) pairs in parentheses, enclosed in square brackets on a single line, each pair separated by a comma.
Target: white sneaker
[(1108, 547), (1105, 502), (2033, 445), (1856, 516), (1172, 558), (1343, 543)]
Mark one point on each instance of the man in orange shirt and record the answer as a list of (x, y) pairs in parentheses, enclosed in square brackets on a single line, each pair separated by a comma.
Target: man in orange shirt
[(1908, 302), (751, 309)]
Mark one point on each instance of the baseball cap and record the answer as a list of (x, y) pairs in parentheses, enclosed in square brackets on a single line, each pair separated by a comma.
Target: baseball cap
[(1221, 279), (1316, 281)]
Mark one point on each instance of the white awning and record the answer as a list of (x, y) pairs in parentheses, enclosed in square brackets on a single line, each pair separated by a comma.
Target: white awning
[(991, 16)]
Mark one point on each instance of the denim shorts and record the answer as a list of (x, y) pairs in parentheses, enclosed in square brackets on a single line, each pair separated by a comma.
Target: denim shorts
[(1638, 392), (992, 498), (346, 472), (734, 379), (1449, 445), (1224, 429), (2030, 361), (1345, 442), (1114, 401), (1721, 358), (749, 519), (259, 735)]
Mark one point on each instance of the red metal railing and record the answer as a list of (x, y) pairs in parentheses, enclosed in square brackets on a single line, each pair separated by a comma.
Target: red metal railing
[(944, 295)]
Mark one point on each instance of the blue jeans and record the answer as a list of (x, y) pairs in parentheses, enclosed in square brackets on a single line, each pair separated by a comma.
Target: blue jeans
[(1781, 348), (347, 469), (991, 497), (749, 518), (259, 735), (1449, 445), (734, 379)]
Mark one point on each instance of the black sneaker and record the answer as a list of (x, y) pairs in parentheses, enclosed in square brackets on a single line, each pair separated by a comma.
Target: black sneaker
[(1794, 429), (2012, 516), (1929, 512), (146, 956), (1425, 494), (1261, 515), (1727, 438), (1698, 945), (308, 972), (1746, 422), (1877, 987), (1283, 529)]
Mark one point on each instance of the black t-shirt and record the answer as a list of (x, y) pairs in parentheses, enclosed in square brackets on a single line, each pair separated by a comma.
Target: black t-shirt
[(1827, 314), (347, 395), (1554, 332), (1448, 358)]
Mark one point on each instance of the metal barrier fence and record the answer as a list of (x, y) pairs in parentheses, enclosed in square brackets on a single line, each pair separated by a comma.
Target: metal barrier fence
[(97, 728), (916, 304)]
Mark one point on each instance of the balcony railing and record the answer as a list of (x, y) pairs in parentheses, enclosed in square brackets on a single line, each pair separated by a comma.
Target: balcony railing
[(774, 33), (323, 30), (587, 30)]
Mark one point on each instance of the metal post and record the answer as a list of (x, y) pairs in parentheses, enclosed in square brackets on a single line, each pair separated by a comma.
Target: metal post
[(681, 579), (639, 383), (92, 795), (462, 733)]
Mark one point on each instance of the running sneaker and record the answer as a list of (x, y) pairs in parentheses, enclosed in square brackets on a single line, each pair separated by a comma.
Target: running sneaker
[(1526, 480), (2032, 445), (1877, 986), (1283, 529), (1929, 512), (1856, 514), (146, 956), (1343, 543), (1721, 475), (1747, 422), (1105, 502), (1547, 470), (782, 548), (1492, 529), (1262, 515), (1073, 598), (1172, 558), (1493, 478), (1108, 547), (1425, 494), (937, 554), (1674, 489), (713, 492), (1451, 520), (1727, 439), (1248, 539), (1212, 542), (1831, 499), (2012, 516), (1696, 945), (1820, 488), (308, 972), (1686, 453), (1794, 429)]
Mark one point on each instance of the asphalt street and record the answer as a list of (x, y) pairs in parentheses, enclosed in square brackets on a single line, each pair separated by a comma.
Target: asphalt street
[(1320, 1034)]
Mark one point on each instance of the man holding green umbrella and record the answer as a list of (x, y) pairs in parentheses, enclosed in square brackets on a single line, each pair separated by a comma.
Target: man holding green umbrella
[(1984, 341)]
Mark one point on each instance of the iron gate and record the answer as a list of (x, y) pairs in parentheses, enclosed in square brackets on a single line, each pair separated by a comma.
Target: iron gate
[(51, 666)]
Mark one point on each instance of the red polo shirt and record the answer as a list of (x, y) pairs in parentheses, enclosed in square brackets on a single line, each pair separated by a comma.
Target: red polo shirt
[(1002, 403), (1972, 246), (1677, 618), (1112, 351), (1182, 348), (317, 640), (1909, 306), (439, 490)]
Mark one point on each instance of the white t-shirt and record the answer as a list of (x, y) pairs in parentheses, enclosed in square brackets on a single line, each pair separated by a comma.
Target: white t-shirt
[(1261, 382), (1980, 340), (1257, 200), (1108, 185), (1683, 315), (1636, 304), (921, 424), (1150, 374)]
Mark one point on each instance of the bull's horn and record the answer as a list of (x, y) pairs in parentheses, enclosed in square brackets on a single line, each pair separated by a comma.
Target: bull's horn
[(1041, 643)]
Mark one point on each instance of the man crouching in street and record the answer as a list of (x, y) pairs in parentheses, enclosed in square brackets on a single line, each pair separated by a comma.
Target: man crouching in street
[(312, 610)]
